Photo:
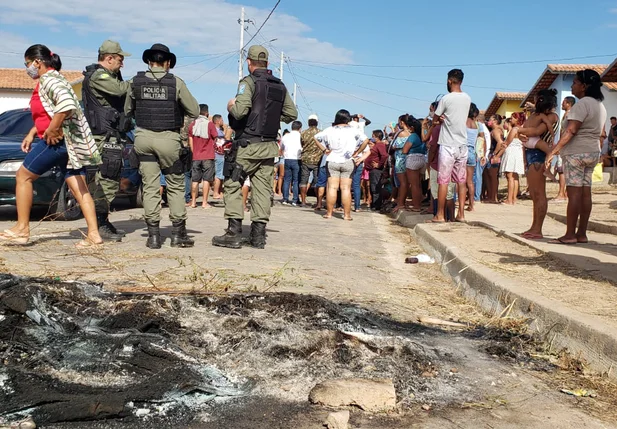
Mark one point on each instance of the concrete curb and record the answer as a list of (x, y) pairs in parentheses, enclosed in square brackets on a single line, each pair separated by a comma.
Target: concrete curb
[(563, 327), (593, 225)]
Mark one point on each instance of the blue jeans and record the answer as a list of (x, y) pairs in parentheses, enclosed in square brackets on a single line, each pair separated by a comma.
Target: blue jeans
[(322, 178), (477, 180), (187, 187), (219, 162), (356, 186), (292, 177), (43, 157)]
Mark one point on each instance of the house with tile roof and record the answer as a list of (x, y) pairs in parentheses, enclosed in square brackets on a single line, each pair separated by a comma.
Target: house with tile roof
[(505, 103), (561, 76), (16, 87)]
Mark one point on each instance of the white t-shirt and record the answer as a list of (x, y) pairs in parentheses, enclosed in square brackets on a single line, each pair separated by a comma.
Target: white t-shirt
[(455, 107), (487, 138), (342, 141), (292, 145), (592, 114), (361, 124)]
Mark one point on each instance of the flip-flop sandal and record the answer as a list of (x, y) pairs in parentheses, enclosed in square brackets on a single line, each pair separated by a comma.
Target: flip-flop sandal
[(348, 218), (327, 216), (9, 237), (86, 244), (435, 221), (531, 236), (560, 241)]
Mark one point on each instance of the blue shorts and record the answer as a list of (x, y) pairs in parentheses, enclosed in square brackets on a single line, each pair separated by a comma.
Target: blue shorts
[(322, 178), (43, 157), (219, 162), (535, 156), (471, 156)]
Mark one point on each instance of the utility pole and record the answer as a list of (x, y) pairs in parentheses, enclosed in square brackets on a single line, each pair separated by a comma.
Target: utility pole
[(295, 91), (281, 68), (241, 21)]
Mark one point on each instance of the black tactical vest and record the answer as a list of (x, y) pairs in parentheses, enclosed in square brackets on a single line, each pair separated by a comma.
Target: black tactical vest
[(264, 118), (156, 104), (101, 119)]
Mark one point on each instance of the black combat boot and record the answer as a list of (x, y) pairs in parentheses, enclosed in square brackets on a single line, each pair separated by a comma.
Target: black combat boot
[(258, 235), (179, 237), (233, 236), (154, 235), (106, 230)]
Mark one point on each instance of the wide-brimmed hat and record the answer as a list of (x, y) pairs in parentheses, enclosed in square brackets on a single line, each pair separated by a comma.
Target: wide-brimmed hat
[(159, 47)]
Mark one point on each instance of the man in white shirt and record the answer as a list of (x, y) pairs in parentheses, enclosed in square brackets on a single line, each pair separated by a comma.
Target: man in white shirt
[(452, 113), (291, 145)]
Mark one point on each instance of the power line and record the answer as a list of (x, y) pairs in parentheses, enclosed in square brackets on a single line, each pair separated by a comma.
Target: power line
[(214, 68), (262, 25), (502, 63), (205, 59), (350, 95), (402, 79), (367, 88), (299, 87), (127, 58)]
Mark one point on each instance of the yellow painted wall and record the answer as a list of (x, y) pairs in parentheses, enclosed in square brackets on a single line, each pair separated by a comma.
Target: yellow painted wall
[(77, 89), (508, 107)]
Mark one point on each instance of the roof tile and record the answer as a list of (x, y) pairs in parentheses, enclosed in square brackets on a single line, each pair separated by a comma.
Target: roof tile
[(500, 97), (553, 70), (18, 80)]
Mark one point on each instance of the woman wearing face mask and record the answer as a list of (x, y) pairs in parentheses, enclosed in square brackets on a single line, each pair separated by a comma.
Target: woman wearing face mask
[(66, 142)]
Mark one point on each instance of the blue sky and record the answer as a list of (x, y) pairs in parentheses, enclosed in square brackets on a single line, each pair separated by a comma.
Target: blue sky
[(351, 36)]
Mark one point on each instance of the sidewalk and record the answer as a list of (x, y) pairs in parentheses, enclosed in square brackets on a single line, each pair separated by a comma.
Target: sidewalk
[(568, 292)]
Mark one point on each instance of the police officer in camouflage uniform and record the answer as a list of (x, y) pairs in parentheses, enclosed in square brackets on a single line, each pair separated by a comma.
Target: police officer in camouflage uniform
[(159, 102), (261, 103), (104, 94)]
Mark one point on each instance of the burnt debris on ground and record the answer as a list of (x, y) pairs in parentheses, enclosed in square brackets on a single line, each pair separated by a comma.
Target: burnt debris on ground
[(72, 352)]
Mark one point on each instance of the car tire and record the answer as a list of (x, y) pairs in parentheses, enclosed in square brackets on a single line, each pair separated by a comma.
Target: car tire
[(67, 208)]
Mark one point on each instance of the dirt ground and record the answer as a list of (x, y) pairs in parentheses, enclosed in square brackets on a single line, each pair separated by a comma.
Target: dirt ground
[(359, 263)]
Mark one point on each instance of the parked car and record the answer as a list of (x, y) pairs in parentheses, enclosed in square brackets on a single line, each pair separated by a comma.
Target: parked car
[(50, 189)]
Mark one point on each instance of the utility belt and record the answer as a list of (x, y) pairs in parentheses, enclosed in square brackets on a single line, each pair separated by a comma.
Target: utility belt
[(181, 166), (112, 160), (257, 139), (231, 169)]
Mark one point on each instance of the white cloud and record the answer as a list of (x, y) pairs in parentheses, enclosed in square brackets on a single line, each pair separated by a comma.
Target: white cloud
[(197, 26)]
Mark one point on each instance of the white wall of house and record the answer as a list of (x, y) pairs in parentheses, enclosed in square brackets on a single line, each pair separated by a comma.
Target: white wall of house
[(563, 85), (14, 100)]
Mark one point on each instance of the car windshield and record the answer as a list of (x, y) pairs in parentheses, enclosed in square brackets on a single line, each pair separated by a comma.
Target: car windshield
[(15, 123)]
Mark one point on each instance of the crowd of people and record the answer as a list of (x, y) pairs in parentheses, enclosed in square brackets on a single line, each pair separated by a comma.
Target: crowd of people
[(425, 165), (422, 165)]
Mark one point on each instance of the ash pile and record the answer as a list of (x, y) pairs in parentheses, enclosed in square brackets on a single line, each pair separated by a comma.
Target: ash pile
[(71, 352)]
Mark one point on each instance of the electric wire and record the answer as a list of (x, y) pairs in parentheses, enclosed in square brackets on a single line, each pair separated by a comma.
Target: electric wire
[(365, 87), (262, 25), (402, 79), (131, 57), (350, 95), (213, 68), (502, 63)]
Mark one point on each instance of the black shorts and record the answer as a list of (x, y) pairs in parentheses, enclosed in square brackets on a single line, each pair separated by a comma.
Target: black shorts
[(305, 174), (203, 171)]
